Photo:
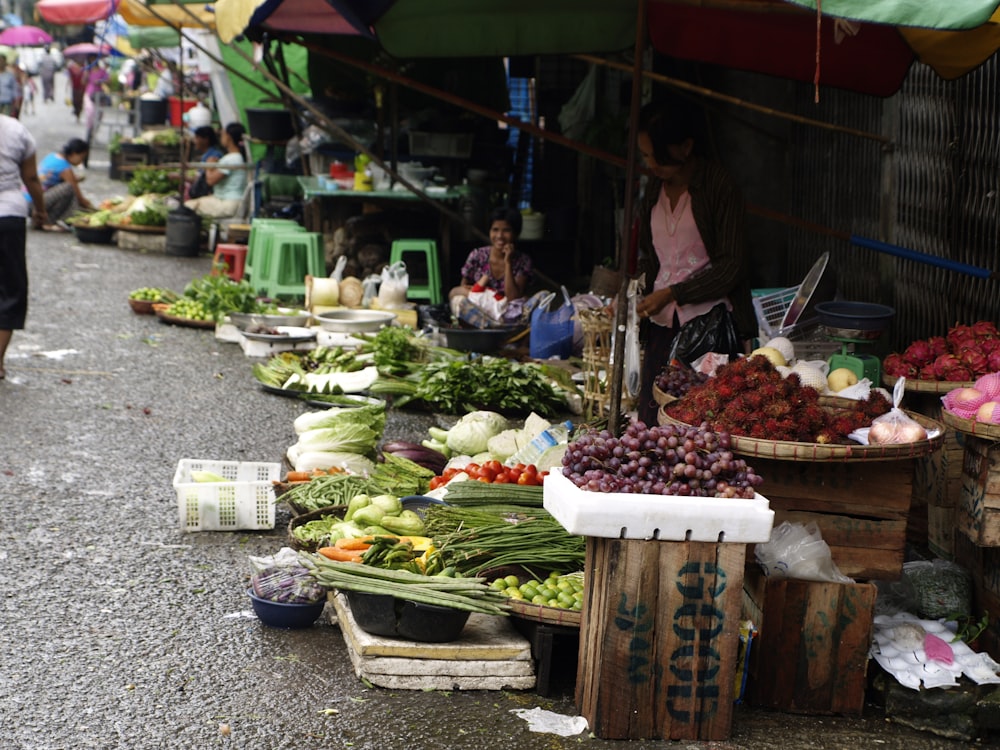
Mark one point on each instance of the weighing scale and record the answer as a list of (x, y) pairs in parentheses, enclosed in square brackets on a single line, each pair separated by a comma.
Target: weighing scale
[(858, 323)]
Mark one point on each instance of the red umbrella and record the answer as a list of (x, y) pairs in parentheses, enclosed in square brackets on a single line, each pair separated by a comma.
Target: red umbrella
[(24, 36), (87, 48), (72, 12)]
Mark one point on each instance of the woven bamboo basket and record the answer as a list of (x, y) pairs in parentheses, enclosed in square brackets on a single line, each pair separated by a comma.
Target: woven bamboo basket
[(927, 386), (788, 450), (662, 397), (971, 427), (596, 326), (296, 543)]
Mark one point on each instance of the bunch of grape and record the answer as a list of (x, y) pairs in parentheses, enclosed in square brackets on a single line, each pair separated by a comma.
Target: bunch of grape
[(677, 380), (664, 460)]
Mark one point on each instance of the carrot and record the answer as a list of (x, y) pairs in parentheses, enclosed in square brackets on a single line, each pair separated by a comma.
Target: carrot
[(341, 555), (353, 544), (298, 476)]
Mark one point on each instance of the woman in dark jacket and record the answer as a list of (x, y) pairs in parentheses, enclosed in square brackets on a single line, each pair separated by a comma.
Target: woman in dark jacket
[(691, 240)]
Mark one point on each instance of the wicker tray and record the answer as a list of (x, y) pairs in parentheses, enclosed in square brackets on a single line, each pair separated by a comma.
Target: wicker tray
[(138, 228), (971, 426), (662, 397), (787, 450), (927, 386), (304, 518), (141, 306), (161, 312), (569, 618)]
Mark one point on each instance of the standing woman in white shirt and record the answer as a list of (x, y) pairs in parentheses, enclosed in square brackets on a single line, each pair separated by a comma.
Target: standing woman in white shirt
[(17, 167)]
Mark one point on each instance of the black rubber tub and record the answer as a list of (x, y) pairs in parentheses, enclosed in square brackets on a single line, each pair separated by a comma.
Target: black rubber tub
[(481, 340), (381, 614), (273, 125), (94, 235)]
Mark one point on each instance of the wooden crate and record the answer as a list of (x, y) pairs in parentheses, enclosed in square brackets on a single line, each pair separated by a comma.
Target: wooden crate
[(811, 654), (984, 564), (861, 508), (659, 638), (979, 510)]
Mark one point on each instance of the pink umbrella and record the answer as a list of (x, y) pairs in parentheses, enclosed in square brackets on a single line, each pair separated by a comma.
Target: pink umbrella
[(24, 36), (88, 48)]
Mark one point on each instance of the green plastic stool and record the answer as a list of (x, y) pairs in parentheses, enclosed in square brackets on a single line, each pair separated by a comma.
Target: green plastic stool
[(428, 248), (259, 243), (293, 256)]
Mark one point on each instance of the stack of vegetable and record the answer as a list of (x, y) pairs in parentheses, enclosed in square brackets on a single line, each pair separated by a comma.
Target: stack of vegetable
[(342, 437), (962, 355), (469, 594), (366, 517), (393, 475), (324, 371)]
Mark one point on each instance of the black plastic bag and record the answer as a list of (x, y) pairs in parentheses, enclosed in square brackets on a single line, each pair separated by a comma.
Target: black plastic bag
[(714, 331), (199, 187)]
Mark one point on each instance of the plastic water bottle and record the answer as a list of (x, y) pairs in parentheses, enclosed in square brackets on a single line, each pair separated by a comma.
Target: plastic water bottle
[(529, 454)]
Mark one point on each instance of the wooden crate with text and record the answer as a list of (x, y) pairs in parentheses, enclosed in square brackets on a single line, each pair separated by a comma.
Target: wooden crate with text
[(659, 637), (979, 511), (811, 653), (861, 507)]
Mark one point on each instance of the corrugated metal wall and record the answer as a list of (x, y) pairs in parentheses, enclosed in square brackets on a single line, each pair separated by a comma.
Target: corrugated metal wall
[(944, 191)]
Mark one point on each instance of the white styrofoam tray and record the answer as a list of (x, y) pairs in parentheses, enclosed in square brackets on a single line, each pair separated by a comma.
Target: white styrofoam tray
[(674, 518), (270, 348)]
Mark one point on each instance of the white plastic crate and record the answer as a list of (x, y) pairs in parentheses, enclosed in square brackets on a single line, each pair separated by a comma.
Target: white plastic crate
[(614, 515), (771, 309), (245, 502)]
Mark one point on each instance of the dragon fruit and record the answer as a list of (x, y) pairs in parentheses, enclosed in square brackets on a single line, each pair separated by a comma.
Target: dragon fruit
[(919, 353), (985, 329), (988, 346), (959, 334), (993, 361), (944, 363), (958, 374), (974, 360), (989, 386), (927, 372), (938, 345), (895, 365)]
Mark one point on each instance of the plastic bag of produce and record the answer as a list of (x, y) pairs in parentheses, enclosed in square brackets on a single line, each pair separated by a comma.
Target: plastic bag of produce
[(940, 588), (395, 284), (797, 550), (552, 330), (714, 331), (287, 585)]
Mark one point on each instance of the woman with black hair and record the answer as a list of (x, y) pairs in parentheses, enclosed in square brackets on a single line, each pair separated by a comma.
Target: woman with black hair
[(228, 180), (61, 186), (691, 239), (499, 266)]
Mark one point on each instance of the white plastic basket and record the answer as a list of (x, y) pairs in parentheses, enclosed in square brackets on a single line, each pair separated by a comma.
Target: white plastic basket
[(245, 502), (771, 310)]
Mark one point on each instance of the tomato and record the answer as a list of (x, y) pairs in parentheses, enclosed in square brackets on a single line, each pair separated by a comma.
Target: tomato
[(484, 480), (494, 466), (501, 478), (436, 482), (526, 480), (514, 472)]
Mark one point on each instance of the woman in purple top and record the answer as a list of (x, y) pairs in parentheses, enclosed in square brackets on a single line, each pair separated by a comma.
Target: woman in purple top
[(506, 269)]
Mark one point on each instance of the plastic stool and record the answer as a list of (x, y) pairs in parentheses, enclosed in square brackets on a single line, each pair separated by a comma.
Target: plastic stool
[(428, 248), (233, 256), (259, 242), (293, 256)]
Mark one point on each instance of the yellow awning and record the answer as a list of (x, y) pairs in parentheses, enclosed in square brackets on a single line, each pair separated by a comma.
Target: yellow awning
[(137, 13), (952, 54)]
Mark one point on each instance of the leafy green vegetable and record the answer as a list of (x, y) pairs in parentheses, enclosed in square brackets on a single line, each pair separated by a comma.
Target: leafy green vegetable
[(395, 350), (152, 181), (459, 386), (221, 295)]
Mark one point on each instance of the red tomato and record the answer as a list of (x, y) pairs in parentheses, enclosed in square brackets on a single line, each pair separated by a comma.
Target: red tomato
[(501, 478), (526, 479), (436, 482)]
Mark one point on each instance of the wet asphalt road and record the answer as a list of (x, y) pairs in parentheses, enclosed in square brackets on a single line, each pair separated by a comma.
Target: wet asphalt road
[(121, 632)]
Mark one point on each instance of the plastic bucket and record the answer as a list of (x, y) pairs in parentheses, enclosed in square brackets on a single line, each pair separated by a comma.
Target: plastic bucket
[(152, 112), (177, 110), (183, 233)]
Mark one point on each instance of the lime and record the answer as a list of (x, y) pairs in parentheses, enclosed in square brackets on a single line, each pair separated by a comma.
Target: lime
[(499, 584), (514, 593), (512, 580), (538, 599), (565, 598)]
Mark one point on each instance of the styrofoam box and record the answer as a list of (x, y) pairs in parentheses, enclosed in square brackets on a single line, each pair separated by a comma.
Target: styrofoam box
[(616, 515), (227, 332), (245, 502), (253, 348)]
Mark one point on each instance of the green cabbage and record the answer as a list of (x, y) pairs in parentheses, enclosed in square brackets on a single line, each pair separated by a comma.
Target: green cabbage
[(472, 432)]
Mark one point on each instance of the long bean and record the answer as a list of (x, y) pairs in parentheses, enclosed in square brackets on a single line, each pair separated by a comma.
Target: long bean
[(481, 493), (535, 542)]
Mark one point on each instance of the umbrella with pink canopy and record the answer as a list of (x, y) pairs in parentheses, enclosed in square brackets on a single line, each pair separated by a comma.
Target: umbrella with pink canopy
[(24, 36), (86, 49)]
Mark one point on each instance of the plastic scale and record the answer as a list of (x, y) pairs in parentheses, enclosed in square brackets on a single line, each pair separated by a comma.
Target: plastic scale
[(862, 365)]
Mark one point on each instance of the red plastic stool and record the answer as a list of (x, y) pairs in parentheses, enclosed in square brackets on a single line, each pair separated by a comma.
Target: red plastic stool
[(233, 256)]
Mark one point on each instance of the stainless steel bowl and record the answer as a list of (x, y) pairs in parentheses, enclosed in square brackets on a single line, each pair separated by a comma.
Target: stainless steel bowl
[(243, 321), (354, 321)]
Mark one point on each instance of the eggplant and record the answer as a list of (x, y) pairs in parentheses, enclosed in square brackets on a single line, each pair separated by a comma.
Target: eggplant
[(419, 454)]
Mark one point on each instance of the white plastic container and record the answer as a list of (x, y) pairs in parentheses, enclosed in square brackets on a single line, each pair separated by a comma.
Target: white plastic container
[(246, 501), (673, 518)]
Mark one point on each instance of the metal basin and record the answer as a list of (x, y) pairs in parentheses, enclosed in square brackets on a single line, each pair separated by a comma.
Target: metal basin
[(243, 321), (477, 339), (353, 321)]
